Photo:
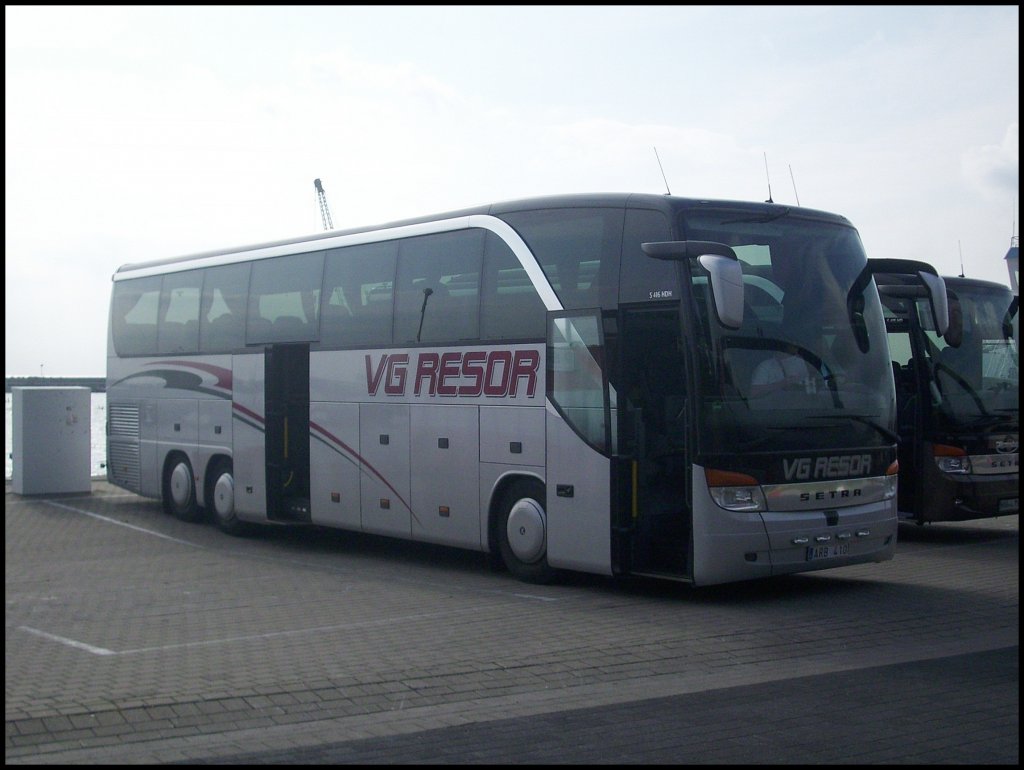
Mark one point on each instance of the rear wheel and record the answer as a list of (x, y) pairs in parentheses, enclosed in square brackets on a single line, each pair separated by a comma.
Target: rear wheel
[(222, 499), (522, 532), (179, 496)]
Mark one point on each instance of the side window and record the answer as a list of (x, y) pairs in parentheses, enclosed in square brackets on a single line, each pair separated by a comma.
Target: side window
[(643, 278), (576, 377), (511, 307), (578, 250), (179, 312), (896, 311), (222, 311), (900, 350), (284, 301), (438, 287), (133, 316), (357, 297)]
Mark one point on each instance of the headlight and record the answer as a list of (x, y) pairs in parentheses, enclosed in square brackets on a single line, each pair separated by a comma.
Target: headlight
[(735, 491), (738, 498), (951, 459), (891, 480), (954, 464)]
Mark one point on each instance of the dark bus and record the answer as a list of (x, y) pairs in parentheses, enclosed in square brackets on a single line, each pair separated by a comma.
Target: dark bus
[(957, 400)]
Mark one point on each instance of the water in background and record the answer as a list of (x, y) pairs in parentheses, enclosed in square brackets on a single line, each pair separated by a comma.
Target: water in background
[(97, 435)]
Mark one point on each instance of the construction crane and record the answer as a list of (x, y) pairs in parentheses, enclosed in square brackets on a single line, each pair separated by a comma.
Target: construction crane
[(325, 213)]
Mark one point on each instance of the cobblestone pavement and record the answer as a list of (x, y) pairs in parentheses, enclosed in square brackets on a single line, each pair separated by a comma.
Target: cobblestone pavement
[(133, 638), (963, 709)]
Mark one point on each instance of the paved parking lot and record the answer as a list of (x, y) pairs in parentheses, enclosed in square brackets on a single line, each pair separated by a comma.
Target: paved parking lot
[(132, 637)]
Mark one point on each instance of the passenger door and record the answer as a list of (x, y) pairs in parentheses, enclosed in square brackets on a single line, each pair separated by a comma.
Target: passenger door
[(579, 425), (653, 511)]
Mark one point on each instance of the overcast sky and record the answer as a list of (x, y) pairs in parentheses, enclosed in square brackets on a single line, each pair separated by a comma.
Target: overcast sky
[(142, 133)]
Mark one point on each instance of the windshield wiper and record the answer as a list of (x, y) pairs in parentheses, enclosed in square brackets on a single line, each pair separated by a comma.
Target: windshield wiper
[(987, 420), (768, 217), (423, 310), (894, 437)]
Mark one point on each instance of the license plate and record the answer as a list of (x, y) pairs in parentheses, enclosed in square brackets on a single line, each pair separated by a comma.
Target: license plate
[(815, 552), (1008, 505)]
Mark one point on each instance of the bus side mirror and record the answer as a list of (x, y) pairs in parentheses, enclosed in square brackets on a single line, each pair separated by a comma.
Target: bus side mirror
[(726, 278), (859, 327), (954, 335), (724, 273), (937, 300), (1010, 317), (934, 286)]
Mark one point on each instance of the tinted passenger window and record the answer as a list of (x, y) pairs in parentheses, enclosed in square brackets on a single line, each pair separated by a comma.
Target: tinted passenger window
[(284, 303), (222, 311), (179, 312), (578, 250), (134, 314), (511, 307), (438, 288), (358, 293)]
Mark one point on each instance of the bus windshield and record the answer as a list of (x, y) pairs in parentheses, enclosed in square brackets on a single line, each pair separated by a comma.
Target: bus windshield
[(976, 381), (808, 361)]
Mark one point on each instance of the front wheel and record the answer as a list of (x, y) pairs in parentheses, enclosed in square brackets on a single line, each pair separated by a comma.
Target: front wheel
[(179, 496), (522, 532)]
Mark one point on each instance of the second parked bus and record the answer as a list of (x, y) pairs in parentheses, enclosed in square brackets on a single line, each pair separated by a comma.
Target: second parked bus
[(957, 400)]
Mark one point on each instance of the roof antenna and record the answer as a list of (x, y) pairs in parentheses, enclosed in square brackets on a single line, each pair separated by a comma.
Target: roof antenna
[(961, 259), (794, 184), (769, 179), (669, 192)]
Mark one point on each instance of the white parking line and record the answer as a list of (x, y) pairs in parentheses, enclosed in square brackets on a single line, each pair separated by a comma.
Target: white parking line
[(68, 642), (104, 651), (247, 638), (537, 598), (108, 520)]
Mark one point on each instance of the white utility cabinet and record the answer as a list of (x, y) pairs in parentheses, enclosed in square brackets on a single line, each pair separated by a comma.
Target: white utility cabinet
[(51, 440)]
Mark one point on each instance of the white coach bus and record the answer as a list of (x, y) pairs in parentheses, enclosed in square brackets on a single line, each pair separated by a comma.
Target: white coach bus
[(609, 383)]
